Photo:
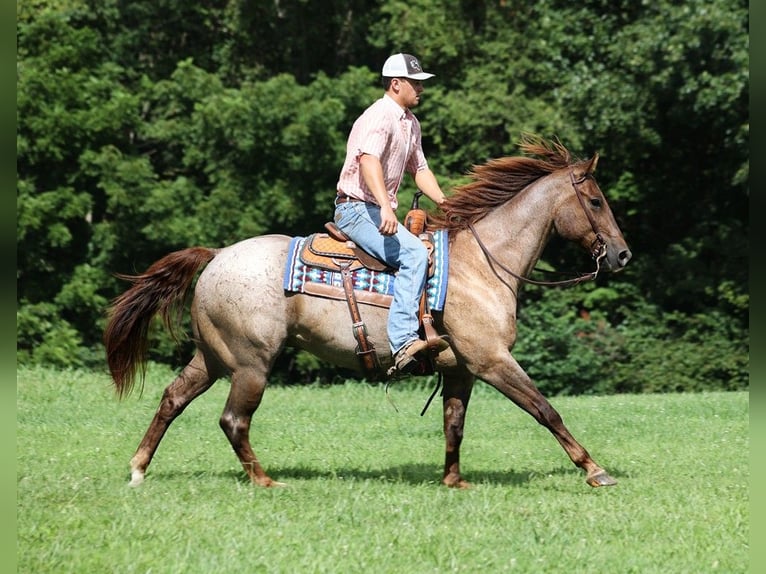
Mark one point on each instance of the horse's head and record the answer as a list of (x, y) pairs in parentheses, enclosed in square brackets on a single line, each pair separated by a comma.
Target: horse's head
[(584, 216)]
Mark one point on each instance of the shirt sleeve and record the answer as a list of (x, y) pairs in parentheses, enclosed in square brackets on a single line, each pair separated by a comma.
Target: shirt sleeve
[(417, 160), (374, 134)]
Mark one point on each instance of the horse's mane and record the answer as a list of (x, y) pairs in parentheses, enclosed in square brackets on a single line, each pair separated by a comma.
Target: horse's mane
[(499, 180)]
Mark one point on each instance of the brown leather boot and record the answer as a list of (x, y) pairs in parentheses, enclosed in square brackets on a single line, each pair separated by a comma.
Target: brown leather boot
[(404, 360)]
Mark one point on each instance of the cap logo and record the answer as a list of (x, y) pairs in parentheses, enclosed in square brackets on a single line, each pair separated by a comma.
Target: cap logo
[(414, 66)]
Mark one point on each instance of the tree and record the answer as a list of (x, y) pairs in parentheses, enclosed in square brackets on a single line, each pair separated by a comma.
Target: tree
[(145, 127)]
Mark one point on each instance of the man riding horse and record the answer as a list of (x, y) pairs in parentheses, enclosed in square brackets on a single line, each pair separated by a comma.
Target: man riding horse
[(384, 143)]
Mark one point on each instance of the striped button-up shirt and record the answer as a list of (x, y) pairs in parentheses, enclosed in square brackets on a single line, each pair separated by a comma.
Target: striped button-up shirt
[(391, 134)]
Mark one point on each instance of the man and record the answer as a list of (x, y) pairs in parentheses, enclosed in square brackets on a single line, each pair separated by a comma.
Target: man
[(383, 144)]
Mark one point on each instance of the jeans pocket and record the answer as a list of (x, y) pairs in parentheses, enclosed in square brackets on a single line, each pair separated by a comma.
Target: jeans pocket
[(340, 211), (345, 214)]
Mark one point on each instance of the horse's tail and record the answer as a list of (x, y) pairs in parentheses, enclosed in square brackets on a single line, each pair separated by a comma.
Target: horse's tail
[(162, 289)]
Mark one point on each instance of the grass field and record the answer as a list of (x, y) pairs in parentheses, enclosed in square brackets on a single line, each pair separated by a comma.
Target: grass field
[(363, 490)]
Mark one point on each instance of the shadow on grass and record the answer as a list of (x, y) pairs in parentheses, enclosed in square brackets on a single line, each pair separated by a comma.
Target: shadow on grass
[(414, 474)]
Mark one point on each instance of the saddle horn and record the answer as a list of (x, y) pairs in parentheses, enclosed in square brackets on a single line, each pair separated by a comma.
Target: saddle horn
[(415, 220)]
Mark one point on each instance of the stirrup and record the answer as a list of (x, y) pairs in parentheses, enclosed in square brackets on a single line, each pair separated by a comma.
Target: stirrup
[(405, 360), (441, 343)]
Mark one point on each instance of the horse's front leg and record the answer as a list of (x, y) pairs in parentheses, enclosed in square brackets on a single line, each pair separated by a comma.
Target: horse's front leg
[(455, 397), (507, 376)]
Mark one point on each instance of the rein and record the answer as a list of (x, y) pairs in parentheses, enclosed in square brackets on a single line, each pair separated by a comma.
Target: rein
[(598, 247)]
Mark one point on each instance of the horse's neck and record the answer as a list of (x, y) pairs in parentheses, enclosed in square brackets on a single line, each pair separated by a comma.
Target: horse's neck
[(517, 232)]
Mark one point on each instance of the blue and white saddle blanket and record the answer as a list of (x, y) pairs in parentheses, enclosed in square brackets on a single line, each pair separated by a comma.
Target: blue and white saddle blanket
[(371, 287)]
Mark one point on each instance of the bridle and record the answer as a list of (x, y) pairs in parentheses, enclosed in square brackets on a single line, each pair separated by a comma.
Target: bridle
[(598, 247)]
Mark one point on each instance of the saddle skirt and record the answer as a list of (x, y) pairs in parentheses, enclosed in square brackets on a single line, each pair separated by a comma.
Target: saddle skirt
[(314, 266)]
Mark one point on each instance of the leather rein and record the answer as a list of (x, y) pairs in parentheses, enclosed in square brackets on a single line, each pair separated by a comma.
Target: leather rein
[(598, 247)]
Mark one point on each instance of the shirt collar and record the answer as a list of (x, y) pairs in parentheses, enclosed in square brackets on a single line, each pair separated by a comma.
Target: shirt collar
[(401, 113)]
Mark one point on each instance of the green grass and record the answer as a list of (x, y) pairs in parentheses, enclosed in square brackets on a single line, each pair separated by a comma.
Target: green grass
[(363, 489)]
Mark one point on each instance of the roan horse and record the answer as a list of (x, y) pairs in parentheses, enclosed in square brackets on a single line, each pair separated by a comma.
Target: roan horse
[(242, 319)]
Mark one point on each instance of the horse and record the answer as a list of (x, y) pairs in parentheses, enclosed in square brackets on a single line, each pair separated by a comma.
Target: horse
[(242, 318)]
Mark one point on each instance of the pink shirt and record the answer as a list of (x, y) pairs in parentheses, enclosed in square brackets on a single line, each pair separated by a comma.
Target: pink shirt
[(391, 134)]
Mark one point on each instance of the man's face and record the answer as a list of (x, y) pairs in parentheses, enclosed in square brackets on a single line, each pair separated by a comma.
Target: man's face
[(409, 91)]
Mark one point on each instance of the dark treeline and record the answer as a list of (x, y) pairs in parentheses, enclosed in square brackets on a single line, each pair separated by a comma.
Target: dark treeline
[(150, 126)]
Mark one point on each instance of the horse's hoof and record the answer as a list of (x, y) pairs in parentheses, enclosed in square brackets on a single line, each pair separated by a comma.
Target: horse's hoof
[(136, 478), (600, 478), (456, 482), (267, 482)]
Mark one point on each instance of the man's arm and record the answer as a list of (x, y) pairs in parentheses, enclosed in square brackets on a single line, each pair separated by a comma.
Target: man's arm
[(372, 172), (426, 182)]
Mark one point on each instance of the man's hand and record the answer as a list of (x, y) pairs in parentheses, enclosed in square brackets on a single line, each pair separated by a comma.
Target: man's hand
[(388, 222)]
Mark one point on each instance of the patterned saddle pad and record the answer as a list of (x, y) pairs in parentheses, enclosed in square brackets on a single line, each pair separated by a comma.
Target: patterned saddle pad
[(372, 287)]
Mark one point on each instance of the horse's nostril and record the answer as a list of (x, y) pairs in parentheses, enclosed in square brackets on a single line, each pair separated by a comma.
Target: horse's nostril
[(624, 257)]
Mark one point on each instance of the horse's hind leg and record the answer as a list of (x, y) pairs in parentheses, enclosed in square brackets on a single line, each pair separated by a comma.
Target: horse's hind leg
[(191, 383), (247, 386)]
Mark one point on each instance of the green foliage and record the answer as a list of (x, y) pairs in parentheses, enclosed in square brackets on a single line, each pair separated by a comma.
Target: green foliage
[(604, 340), (145, 127), (683, 353), (47, 241), (44, 338)]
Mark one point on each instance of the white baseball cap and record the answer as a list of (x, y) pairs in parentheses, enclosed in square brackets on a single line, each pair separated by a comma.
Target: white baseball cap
[(404, 66)]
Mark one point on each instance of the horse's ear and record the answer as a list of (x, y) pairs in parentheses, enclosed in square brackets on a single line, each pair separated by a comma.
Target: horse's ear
[(593, 162), (586, 167)]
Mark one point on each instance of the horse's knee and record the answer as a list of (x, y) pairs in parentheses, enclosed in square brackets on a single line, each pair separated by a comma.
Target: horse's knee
[(547, 415), (454, 420), (454, 412)]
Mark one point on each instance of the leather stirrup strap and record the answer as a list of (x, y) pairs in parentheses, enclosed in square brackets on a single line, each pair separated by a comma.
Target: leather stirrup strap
[(433, 340), (365, 350)]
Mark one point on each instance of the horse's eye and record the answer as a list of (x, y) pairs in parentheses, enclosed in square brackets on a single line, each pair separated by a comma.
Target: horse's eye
[(595, 202)]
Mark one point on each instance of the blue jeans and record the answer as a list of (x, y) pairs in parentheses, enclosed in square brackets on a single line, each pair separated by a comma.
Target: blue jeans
[(403, 251)]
